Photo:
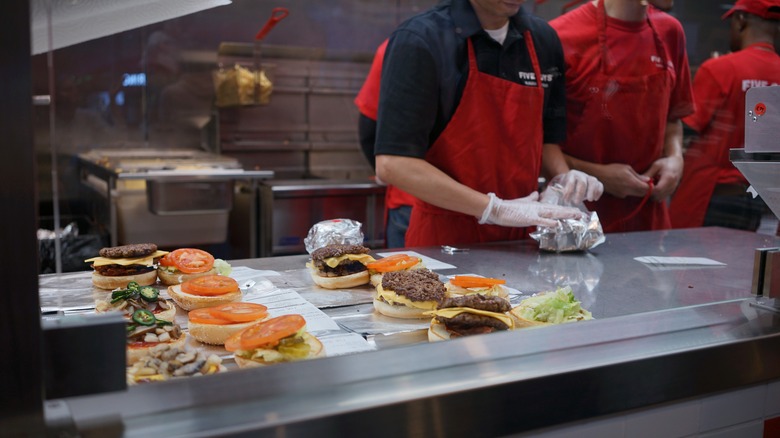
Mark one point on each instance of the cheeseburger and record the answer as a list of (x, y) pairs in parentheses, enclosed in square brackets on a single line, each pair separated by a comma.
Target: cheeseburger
[(119, 265), (408, 294), (469, 315), (339, 266)]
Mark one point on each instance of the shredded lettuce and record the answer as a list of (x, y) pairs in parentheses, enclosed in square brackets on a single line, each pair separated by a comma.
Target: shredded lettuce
[(222, 267), (555, 307)]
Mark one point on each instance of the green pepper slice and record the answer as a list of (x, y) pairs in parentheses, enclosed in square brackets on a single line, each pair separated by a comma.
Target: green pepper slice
[(144, 317), (149, 294), (133, 286)]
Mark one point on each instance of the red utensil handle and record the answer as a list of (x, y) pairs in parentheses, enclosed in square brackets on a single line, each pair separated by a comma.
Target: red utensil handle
[(276, 16)]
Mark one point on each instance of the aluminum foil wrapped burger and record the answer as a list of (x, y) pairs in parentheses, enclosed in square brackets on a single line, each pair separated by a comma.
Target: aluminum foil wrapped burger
[(329, 232), (569, 234)]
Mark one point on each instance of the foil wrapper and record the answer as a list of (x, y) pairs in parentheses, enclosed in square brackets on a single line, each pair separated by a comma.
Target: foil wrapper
[(568, 234), (329, 232)]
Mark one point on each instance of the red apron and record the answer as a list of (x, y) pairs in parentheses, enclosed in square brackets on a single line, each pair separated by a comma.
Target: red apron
[(624, 122), (492, 144)]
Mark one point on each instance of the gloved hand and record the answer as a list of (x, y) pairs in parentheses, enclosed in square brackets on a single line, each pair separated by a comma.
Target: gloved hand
[(578, 186), (525, 212)]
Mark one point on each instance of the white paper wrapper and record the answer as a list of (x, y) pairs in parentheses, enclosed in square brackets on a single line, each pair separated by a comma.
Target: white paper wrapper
[(569, 234), (329, 232)]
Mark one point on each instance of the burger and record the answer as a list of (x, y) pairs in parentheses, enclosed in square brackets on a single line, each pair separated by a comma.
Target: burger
[(408, 294), (395, 262), (467, 315), (145, 331), (119, 265), (206, 291), (553, 307), (467, 285), (339, 266), (276, 340), (213, 325), (187, 263), (136, 297)]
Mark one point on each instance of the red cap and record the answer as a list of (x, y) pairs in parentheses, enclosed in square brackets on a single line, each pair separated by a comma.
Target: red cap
[(766, 9)]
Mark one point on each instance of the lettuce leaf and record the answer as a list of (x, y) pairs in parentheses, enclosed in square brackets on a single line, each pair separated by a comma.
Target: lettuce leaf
[(554, 307)]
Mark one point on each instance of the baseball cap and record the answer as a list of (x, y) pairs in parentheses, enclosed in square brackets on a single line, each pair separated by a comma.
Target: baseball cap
[(766, 9)]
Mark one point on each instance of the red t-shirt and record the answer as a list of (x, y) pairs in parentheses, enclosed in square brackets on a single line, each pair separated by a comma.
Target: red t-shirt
[(367, 99), (719, 89), (631, 51)]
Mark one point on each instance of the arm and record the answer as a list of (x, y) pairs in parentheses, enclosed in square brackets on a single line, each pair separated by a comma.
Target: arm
[(426, 182), (667, 170)]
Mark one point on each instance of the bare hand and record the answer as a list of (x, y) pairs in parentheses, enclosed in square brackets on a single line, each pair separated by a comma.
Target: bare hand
[(620, 180), (667, 172)]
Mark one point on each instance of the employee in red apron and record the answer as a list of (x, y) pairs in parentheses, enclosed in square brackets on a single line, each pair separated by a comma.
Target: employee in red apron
[(627, 86), (470, 91), (712, 191), (398, 204)]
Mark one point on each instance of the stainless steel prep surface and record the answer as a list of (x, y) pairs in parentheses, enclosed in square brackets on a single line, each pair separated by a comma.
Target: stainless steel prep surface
[(661, 334)]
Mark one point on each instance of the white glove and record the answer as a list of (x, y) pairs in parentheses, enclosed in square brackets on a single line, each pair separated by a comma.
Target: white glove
[(579, 186), (525, 212)]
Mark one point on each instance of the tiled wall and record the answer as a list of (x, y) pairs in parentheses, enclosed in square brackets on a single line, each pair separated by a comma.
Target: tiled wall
[(734, 414)]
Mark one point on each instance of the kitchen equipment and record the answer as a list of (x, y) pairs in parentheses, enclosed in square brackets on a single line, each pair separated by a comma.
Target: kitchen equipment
[(759, 161), (169, 197)]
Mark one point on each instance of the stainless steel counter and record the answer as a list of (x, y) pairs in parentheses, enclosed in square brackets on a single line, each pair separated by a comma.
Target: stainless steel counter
[(661, 334)]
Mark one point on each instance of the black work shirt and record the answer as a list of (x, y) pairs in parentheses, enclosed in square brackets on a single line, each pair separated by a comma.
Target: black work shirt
[(426, 66)]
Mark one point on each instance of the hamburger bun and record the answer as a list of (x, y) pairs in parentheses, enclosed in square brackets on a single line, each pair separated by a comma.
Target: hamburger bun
[(189, 301), (117, 282), (521, 322), (169, 278), (399, 310), (437, 332), (317, 350), (342, 282), (215, 334)]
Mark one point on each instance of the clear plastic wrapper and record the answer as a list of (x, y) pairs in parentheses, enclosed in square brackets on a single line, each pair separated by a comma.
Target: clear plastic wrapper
[(569, 234), (329, 232)]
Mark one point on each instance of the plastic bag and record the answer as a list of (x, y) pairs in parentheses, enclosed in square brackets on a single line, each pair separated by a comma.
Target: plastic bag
[(74, 249), (569, 234), (329, 232)]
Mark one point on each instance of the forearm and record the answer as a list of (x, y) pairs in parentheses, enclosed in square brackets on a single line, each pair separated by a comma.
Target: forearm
[(426, 182), (553, 161), (673, 139)]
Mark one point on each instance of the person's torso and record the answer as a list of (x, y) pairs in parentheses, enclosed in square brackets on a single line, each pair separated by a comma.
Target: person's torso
[(736, 73)]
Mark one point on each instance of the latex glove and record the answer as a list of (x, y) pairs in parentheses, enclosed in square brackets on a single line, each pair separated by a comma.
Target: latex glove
[(525, 212), (579, 186)]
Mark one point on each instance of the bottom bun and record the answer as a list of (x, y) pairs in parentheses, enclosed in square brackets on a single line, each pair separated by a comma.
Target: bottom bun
[(521, 322), (317, 350), (120, 281), (189, 301), (437, 332), (178, 277), (342, 282), (400, 311), (134, 354), (216, 334)]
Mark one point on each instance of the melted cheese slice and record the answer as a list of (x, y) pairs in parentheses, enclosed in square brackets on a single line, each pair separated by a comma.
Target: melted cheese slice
[(146, 260), (393, 298), (455, 311), (362, 258)]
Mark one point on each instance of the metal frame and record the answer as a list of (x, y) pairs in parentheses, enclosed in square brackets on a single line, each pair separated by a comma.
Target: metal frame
[(21, 396)]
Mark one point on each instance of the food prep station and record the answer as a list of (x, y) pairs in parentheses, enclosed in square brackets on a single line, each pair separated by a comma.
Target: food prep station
[(662, 332)]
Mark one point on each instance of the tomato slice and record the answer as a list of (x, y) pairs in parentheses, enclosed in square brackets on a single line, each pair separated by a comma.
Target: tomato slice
[(395, 262), (239, 312), (204, 316), (189, 260), (471, 281), (266, 334), (210, 285)]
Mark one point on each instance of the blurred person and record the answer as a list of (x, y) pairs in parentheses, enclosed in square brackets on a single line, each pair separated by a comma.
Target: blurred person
[(712, 191), (471, 109), (627, 87), (398, 204)]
